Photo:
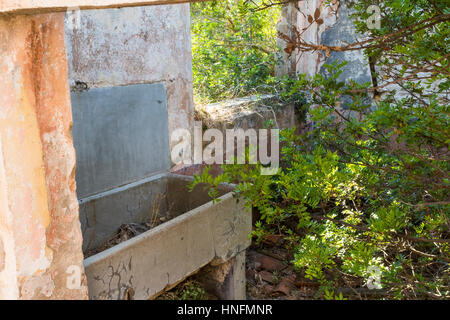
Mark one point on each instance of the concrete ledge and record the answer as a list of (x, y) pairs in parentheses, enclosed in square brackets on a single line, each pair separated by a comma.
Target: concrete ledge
[(249, 113), (44, 6)]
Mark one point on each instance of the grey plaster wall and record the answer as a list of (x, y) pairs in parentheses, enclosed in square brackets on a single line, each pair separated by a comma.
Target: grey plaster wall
[(116, 47), (341, 33)]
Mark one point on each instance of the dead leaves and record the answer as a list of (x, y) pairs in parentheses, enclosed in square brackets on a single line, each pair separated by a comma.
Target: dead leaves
[(296, 41), (317, 19), (290, 47), (317, 13)]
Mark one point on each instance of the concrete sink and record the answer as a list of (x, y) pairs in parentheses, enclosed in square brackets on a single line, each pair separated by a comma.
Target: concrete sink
[(198, 233), (122, 145)]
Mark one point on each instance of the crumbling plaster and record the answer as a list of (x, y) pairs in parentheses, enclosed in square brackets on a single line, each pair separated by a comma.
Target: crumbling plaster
[(39, 226)]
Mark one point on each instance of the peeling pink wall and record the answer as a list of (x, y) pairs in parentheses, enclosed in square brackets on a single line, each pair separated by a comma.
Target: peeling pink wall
[(40, 236), (126, 46)]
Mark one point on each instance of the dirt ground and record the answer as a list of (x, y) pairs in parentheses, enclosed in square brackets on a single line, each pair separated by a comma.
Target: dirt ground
[(269, 277)]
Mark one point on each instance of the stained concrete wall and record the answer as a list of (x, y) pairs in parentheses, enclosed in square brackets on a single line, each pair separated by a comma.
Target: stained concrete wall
[(341, 33), (120, 135), (336, 30), (117, 47), (40, 236)]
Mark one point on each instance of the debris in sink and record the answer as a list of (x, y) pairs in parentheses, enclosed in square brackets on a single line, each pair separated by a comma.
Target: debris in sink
[(131, 230), (154, 219)]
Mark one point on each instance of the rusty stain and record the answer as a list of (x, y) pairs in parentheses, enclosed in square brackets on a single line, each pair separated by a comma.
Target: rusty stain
[(35, 116)]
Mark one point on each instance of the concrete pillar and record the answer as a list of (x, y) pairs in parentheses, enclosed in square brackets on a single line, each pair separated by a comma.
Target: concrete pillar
[(40, 236), (234, 287), (227, 280)]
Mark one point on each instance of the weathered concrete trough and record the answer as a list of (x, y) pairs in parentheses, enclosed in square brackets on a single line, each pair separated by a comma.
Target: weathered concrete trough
[(200, 232), (121, 140)]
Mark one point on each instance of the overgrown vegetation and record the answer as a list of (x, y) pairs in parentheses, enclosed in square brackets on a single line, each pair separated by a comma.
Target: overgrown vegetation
[(233, 48), (187, 290), (363, 198)]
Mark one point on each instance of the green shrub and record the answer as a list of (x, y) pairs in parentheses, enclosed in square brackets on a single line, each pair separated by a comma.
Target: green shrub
[(364, 195), (233, 48)]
